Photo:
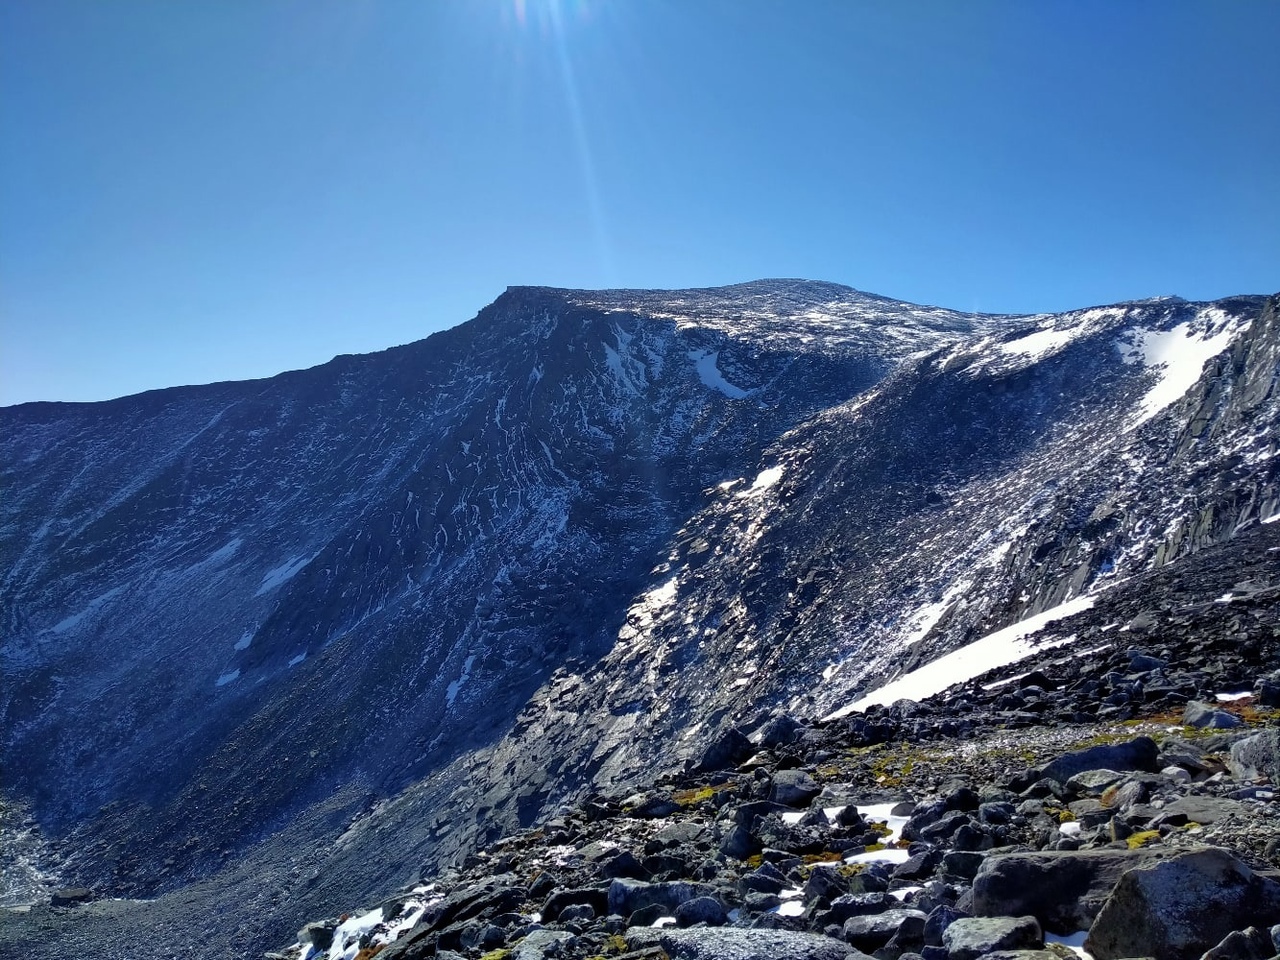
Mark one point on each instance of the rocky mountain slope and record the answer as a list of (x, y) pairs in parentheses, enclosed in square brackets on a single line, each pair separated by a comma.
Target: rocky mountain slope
[(336, 628)]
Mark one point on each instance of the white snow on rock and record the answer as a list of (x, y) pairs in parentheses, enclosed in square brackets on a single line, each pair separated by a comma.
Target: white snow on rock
[(1003, 647), (706, 363), (62, 626), (456, 685), (1179, 355), (226, 678), (765, 479), (286, 571), (1041, 343), (346, 939)]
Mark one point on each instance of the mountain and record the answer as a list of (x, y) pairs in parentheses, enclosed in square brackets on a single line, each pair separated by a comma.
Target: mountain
[(338, 627)]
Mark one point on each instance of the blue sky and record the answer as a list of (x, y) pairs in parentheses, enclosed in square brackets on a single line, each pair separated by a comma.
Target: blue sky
[(197, 191)]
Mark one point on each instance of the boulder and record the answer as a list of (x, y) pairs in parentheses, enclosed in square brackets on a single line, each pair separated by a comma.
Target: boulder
[(1137, 754), (1193, 809), (595, 897), (794, 788), (1179, 908), (1250, 944), (727, 750), (729, 943), (71, 896), (976, 937), (779, 731), (1204, 715), (706, 910), (875, 930), (1063, 889), (540, 944), (627, 896), (1256, 757)]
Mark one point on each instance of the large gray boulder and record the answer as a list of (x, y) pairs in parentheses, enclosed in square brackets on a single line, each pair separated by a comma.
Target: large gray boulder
[(1257, 757), (1200, 714), (1063, 889), (731, 943), (627, 896), (1140, 753), (795, 788), (874, 931), (979, 936), (1179, 908)]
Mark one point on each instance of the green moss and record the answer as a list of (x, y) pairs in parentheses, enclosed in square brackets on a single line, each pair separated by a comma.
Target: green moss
[(689, 798), (1142, 838)]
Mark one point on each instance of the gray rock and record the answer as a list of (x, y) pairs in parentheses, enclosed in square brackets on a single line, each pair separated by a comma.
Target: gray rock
[(979, 936), (1092, 783), (941, 917), (1257, 757), (706, 910), (1203, 810), (319, 933), (627, 896), (874, 931), (1200, 714), (1267, 690), (963, 864), (595, 897), (1136, 754), (577, 912), (540, 944), (729, 943), (727, 750), (781, 729), (1063, 889), (1249, 944), (795, 788), (1179, 908), (71, 896)]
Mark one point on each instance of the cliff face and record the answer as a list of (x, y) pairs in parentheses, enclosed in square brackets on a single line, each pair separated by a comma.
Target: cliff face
[(428, 594)]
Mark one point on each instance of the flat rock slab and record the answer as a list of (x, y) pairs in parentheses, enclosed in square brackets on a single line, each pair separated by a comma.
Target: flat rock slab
[(1206, 809), (733, 944), (974, 937)]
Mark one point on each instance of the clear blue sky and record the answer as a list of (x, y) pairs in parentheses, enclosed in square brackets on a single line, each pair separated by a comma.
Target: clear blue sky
[(207, 190)]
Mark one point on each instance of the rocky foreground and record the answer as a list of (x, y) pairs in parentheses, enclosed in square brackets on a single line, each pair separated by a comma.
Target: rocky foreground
[(1113, 796), (1117, 801)]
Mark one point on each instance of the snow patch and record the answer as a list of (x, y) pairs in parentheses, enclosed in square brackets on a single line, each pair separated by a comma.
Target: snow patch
[(246, 638), (1041, 343), (94, 605), (226, 678), (998, 649), (294, 661), (346, 939), (1180, 355), (709, 373), (764, 480), (454, 686), (286, 571)]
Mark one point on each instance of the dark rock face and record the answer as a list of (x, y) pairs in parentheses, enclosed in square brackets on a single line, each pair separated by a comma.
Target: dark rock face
[(1182, 907), (1063, 890)]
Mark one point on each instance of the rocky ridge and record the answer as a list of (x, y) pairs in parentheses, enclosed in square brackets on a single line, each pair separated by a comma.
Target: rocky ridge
[(465, 588)]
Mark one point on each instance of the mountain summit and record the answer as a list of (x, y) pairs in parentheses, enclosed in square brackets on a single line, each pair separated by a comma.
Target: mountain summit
[(369, 615)]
